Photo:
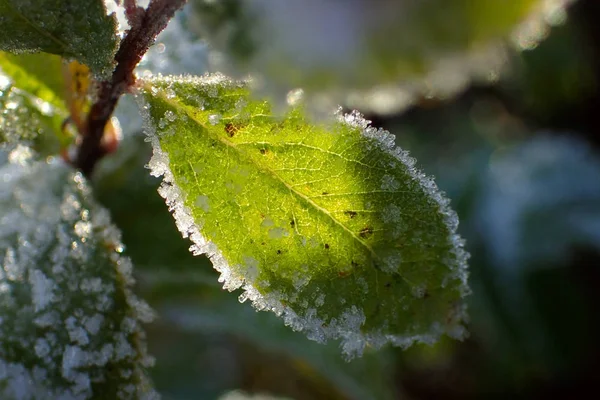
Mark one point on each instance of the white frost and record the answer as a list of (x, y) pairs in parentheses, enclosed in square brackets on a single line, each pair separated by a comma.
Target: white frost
[(59, 272)]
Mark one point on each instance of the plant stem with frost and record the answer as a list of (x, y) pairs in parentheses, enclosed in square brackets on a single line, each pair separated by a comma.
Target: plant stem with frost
[(146, 26)]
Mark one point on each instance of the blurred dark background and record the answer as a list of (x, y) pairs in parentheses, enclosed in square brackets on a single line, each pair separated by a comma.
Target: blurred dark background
[(520, 161)]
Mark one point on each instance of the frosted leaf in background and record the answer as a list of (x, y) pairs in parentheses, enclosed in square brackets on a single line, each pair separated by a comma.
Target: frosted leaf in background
[(71, 327), (540, 201), (296, 214), (78, 29), (341, 52), (541, 198)]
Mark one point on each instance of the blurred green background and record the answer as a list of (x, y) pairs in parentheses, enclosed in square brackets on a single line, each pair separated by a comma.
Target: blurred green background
[(520, 161)]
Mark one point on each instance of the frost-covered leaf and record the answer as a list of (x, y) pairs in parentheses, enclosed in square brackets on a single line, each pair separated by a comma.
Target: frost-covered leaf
[(39, 74), (329, 225), (539, 199), (437, 46), (24, 117), (71, 327), (78, 29)]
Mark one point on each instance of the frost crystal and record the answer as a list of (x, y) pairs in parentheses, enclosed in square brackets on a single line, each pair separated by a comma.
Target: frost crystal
[(69, 317)]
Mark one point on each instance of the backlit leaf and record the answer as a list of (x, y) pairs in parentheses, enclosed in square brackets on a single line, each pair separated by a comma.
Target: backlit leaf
[(39, 74), (328, 225)]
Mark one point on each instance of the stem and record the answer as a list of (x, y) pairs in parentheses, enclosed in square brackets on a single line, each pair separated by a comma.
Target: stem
[(133, 47)]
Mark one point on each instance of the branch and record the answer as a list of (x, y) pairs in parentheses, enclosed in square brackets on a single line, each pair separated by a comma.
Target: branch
[(133, 47)]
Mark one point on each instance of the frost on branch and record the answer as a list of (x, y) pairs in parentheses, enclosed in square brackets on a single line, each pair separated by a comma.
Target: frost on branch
[(328, 225), (341, 50), (77, 29), (70, 327)]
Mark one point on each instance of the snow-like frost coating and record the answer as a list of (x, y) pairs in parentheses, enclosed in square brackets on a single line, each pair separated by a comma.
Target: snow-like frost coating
[(347, 327), (69, 320)]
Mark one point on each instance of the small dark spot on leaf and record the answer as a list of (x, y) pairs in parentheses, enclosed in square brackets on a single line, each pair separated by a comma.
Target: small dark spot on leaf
[(354, 264), (263, 243), (292, 223), (326, 246), (366, 232), (263, 151), (325, 193), (389, 284), (351, 214), (278, 251), (231, 129)]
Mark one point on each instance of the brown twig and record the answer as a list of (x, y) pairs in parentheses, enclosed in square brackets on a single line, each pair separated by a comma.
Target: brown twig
[(133, 47)]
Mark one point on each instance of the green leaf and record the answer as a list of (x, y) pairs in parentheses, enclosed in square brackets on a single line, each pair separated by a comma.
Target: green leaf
[(77, 29), (71, 327), (39, 74), (24, 117), (327, 225), (344, 49)]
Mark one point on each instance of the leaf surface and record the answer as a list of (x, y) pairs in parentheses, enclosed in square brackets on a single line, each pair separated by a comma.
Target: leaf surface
[(39, 74), (71, 327), (77, 29), (327, 225)]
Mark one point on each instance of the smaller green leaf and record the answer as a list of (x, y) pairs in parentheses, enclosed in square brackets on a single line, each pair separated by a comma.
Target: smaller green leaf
[(327, 225), (25, 118), (39, 74), (77, 29), (71, 327)]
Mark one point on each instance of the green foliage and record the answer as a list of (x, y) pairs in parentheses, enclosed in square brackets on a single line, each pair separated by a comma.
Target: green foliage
[(326, 224), (78, 29), (39, 74), (25, 118), (70, 324)]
